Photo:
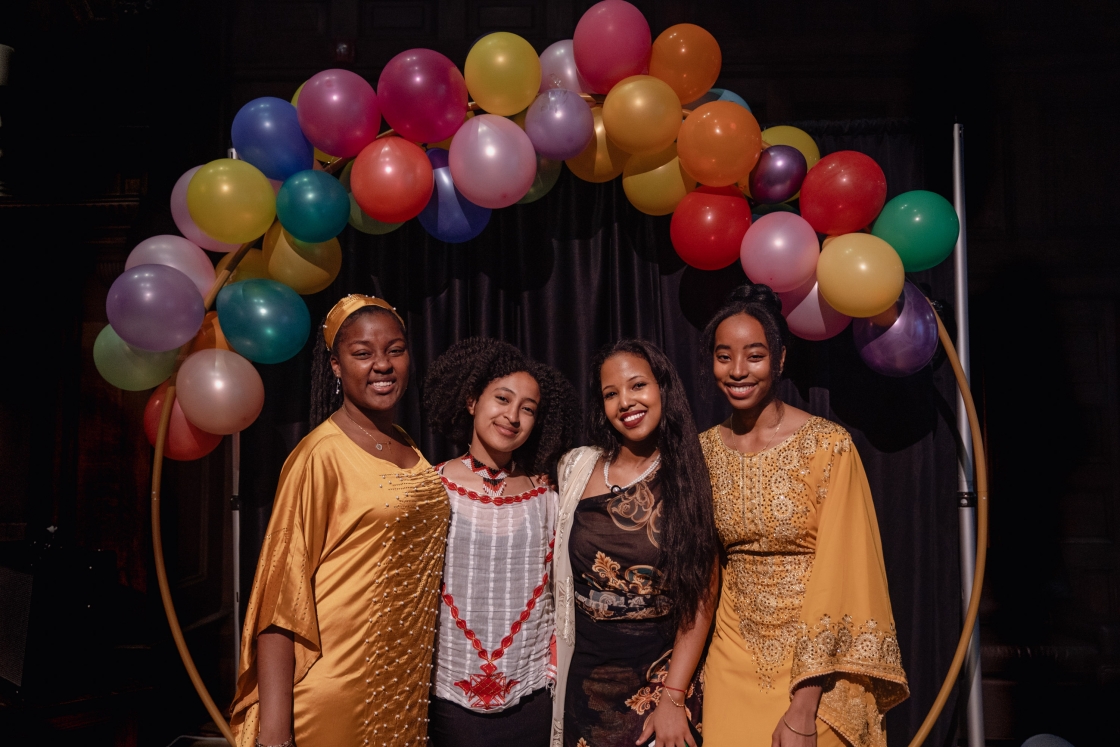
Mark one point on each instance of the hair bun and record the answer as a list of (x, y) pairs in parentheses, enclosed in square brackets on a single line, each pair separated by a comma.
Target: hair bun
[(755, 293)]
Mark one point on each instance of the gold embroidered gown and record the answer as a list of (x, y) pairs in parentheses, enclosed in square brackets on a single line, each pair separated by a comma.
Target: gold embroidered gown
[(351, 565), (804, 593)]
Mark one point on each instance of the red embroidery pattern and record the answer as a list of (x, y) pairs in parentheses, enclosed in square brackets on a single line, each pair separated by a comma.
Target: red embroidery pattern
[(490, 689), (507, 500)]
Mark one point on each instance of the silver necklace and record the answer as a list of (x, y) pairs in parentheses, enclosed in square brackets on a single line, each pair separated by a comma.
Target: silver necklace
[(376, 444), (616, 489), (776, 429)]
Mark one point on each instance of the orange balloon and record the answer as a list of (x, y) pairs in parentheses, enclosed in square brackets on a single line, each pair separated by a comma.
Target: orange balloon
[(719, 143), (601, 160), (642, 114), (210, 336), (686, 57)]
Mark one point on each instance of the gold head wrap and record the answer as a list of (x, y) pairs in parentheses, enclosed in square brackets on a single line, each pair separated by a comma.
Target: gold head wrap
[(347, 306)]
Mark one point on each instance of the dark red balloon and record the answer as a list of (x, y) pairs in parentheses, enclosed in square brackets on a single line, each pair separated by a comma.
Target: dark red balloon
[(843, 193), (185, 441), (708, 227)]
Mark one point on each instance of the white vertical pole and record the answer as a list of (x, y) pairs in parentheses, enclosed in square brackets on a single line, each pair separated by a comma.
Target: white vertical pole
[(235, 513), (966, 488)]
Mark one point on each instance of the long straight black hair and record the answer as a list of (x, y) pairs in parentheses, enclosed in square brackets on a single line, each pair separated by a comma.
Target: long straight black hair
[(689, 544)]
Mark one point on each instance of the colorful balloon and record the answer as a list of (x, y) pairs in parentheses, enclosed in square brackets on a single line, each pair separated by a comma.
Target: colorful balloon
[(184, 441), (809, 316), (210, 336), (219, 391), (686, 57), (921, 226), (843, 193), (338, 112), (780, 250), (252, 265), (559, 124), (558, 69), (177, 252), (902, 340), (182, 217), (708, 227), (266, 133), (392, 180), (449, 216), (717, 94), (798, 138), (154, 307), (359, 220), (422, 95), (548, 173), (601, 160), (129, 368), (305, 268), (492, 161), (655, 184), (860, 275), (231, 200), (642, 114), (503, 73), (313, 206), (265, 321), (778, 174), (719, 143), (611, 42)]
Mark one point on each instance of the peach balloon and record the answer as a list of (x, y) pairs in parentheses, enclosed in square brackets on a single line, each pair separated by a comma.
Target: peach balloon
[(219, 391), (688, 58)]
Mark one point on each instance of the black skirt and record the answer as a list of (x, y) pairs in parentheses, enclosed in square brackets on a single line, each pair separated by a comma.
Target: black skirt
[(527, 724)]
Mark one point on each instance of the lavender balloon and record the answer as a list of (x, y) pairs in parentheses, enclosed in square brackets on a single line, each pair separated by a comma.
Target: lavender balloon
[(154, 307), (903, 339), (560, 124), (778, 174), (558, 69)]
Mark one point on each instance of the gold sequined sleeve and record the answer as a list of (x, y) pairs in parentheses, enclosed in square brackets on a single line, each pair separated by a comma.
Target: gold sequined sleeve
[(847, 635)]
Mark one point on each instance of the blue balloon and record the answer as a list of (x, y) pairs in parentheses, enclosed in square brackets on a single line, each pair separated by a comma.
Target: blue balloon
[(725, 95), (265, 321), (266, 133), (449, 216), (313, 206)]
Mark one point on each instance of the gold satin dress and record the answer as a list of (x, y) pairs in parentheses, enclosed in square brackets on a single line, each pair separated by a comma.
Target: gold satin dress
[(351, 565), (804, 593)]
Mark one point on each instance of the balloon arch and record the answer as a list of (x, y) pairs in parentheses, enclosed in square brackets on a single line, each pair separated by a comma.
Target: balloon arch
[(609, 102)]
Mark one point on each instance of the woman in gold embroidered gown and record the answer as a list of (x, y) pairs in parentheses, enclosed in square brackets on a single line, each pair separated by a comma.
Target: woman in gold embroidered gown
[(804, 650), (337, 643)]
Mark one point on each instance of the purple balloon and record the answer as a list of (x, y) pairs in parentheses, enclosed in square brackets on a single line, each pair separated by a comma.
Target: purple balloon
[(560, 124), (154, 307), (902, 340), (778, 174), (558, 69)]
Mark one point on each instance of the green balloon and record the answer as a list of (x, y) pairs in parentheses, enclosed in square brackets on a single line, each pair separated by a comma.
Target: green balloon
[(129, 368), (921, 226), (548, 173), (366, 224)]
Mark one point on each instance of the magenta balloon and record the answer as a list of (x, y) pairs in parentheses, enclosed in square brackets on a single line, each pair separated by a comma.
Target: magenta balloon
[(780, 250), (558, 69), (338, 112), (177, 252), (219, 391), (907, 343), (492, 161), (809, 316), (559, 124), (423, 96), (611, 42), (154, 307), (182, 217)]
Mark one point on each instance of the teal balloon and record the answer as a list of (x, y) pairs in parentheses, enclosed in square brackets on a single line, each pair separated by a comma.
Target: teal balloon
[(129, 368), (921, 226), (263, 320), (313, 206), (548, 173)]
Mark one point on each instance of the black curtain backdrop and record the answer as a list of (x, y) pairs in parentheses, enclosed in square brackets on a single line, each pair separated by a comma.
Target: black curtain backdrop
[(580, 268)]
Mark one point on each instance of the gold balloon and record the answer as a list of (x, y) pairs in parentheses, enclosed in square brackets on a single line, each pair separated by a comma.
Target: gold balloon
[(210, 335), (231, 201), (860, 275), (642, 114), (503, 73), (252, 265), (656, 183), (601, 160), (305, 268)]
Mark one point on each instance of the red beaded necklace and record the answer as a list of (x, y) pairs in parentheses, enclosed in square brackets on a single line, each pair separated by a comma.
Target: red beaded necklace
[(493, 480)]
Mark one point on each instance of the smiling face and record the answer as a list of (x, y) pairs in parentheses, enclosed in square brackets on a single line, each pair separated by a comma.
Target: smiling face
[(631, 396), (372, 361), (505, 413), (742, 362)]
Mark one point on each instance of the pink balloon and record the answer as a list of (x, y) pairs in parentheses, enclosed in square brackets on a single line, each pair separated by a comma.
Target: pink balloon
[(220, 392), (781, 250), (338, 112), (611, 42), (558, 69), (177, 252), (422, 95), (185, 224), (809, 316), (492, 161)]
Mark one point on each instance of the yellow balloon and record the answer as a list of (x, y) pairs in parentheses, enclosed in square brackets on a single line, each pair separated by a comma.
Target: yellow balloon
[(305, 268), (601, 160), (295, 96), (656, 183), (642, 114), (860, 275), (231, 201), (252, 265), (503, 73)]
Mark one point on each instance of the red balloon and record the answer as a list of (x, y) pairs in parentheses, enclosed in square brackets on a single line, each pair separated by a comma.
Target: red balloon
[(185, 441), (392, 180), (708, 227), (843, 193), (611, 42)]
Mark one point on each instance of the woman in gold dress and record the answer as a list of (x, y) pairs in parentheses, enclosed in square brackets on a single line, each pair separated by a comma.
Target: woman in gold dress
[(337, 644), (804, 650)]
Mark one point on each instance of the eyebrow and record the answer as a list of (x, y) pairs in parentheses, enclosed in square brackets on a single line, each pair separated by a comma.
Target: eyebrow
[(725, 346), (394, 341), (515, 394)]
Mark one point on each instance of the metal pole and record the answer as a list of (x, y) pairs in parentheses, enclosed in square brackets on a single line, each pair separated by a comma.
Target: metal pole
[(235, 513), (966, 489)]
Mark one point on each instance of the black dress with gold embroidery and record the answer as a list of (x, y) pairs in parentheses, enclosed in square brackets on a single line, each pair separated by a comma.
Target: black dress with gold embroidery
[(623, 634)]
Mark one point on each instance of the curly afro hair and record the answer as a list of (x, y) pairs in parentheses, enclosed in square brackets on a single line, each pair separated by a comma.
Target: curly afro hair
[(463, 373)]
